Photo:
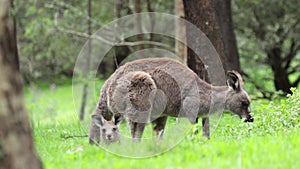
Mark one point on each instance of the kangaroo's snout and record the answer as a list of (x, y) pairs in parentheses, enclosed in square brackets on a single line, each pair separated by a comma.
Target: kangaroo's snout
[(108, 137), (249, 118)]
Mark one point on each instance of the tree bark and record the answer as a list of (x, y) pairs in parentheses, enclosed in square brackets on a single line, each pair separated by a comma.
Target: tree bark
[(88, 60), (121, 52), (207, 15), (180, 48), (224, 19), (137, 10), (16, 143), (281, 79), (213, 17), (201, 13), (152, 19)]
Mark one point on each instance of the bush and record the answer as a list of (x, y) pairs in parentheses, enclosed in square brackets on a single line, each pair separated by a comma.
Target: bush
[(270, 118)]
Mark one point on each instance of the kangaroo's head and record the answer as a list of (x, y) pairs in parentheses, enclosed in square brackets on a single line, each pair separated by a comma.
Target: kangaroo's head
[(237, 99), (109, 130)]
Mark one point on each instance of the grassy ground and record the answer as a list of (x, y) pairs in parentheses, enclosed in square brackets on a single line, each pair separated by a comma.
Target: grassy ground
[(272, 141)]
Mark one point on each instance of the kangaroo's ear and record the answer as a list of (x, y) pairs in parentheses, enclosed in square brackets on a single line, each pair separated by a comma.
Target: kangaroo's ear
[(98, 120), (117, 119), (234, 80)]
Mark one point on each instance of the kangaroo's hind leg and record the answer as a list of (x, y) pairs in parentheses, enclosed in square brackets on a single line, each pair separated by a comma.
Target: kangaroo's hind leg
[(159, 126), (137, 130)]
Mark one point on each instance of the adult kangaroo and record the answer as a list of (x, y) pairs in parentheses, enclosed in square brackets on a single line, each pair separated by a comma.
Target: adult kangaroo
[(151, 89)]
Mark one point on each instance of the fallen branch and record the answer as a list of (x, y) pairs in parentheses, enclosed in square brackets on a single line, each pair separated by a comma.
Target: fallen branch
[(74, 136)]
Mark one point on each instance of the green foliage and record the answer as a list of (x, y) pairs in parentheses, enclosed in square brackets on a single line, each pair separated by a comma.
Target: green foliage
[(271, 141), (44, 50), (262, 26)]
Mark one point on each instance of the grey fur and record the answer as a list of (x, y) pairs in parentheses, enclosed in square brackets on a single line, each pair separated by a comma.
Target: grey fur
[(154, 88), (107, 130)]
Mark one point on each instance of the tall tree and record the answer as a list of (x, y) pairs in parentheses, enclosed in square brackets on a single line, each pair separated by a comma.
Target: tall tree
[(137, 10), (122, 8), (180, 48), (88, 60), (16, 143), (226, 28), (208, 15)]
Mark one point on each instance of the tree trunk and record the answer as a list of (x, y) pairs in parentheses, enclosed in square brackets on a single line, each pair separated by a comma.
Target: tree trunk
[(281, 79), (152, 19), (207, 15), (224, 19), (88, 60), (213, 17), (16, 143), (138, 9), (180, 48), (202, 14), (121, 52)]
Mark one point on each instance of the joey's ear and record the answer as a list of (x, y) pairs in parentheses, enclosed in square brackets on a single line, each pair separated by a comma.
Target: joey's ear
[(98, 120), (234, 80), (117, 120)]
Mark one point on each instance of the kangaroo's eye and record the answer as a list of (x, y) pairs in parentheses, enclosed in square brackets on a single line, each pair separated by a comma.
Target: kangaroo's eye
[(103, 130), (244, 103), (114, 129)]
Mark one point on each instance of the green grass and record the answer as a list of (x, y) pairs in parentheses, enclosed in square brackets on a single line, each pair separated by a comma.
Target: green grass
[(272, 141)]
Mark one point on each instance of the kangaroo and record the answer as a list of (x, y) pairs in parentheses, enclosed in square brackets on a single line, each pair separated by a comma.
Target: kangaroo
[(108, 131), (151, 89)]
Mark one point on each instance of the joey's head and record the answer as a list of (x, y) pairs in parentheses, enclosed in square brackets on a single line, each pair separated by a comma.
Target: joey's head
[(109, 129), (237, 99)]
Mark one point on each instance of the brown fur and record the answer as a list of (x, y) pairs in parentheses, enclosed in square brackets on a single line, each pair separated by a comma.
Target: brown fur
[(151, 89)]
